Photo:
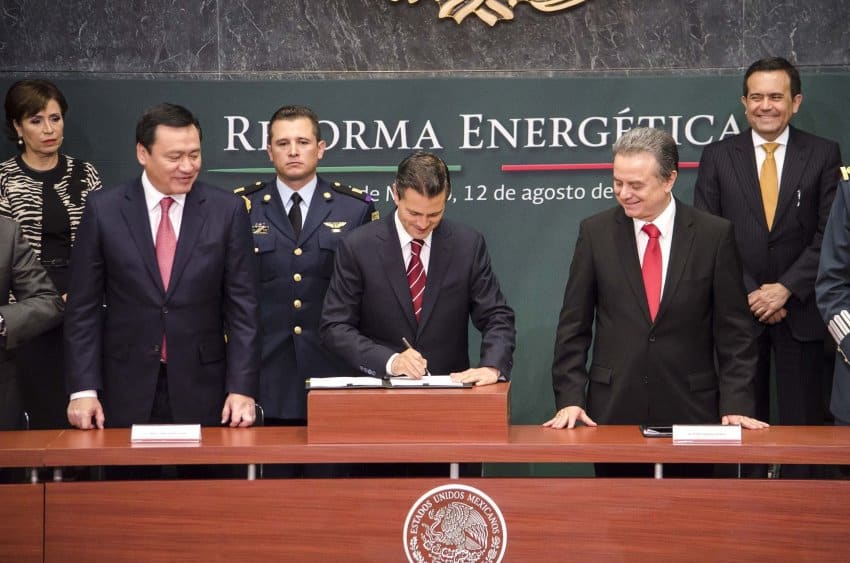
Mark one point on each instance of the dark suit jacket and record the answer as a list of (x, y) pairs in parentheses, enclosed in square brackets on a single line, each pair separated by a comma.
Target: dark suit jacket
[(833, 295), (368, 309), (213, 291), (288, 359), (37, 308), (728, 185), (662, 372)]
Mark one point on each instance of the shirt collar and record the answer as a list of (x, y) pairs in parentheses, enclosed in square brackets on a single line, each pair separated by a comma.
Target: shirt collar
[(664, 221), (403, 236), (782, 139), (306, 192), (153, 196)]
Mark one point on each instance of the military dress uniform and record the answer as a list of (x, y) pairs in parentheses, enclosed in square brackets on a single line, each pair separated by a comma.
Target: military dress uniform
[(294, 276), (833, 294)]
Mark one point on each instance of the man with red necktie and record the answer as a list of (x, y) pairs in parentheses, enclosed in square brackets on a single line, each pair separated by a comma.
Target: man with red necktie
[(662, 284), (418, 278), (171, 259)]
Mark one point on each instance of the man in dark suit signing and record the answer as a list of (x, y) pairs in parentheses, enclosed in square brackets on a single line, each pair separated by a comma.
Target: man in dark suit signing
[(776, 184), (161, 322), (417, 276), (662, 283)]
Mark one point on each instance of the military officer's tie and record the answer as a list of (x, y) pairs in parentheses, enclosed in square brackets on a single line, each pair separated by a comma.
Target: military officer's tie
[(651, 269), (166, 245), (295, 214), (416, 276), (769, 182)]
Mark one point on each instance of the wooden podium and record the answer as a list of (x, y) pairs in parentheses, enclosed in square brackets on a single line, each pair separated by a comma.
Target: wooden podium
[(384, 416)]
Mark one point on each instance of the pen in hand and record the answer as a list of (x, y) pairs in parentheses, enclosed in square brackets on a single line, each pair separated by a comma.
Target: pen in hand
[(409, 347)]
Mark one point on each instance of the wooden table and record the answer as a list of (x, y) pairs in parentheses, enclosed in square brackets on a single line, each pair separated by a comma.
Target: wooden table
[(548, 519)]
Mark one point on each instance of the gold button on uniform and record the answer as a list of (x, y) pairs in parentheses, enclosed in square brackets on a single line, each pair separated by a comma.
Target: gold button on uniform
[(298, 252), (297, 330), (297, 303), (297, 277)]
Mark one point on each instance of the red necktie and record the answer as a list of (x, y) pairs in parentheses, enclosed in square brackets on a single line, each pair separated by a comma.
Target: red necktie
[(166, 244), (416, 276), (652, 269)]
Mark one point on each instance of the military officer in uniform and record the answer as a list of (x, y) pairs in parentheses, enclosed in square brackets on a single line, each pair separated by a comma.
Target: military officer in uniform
[(832, 290), (297, 220)]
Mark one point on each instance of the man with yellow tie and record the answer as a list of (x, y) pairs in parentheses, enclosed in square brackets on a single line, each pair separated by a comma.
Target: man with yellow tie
[(776, 184)]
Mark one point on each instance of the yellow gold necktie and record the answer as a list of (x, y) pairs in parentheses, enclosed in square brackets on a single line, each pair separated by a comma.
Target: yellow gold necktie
[(769, 182)]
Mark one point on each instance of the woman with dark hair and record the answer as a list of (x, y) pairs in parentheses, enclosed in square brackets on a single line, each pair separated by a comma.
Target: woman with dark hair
[(45, 192)]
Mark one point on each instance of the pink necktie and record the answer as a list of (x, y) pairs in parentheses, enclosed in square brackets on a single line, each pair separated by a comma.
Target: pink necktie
[(416, 276), (652, 269), (166, 244)]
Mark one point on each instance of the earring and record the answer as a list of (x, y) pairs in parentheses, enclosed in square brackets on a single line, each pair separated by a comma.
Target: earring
[(20, 141)]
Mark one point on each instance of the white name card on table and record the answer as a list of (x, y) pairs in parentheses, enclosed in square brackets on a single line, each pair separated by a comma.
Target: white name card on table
[(151, 433), (706, 434)]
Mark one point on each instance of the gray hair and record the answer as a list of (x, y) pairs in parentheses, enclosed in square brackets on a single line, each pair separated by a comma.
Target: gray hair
[(656, 142)]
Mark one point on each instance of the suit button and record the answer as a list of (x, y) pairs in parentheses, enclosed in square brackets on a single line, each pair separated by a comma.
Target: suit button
[(155, 349), (298, 252), (297, 330), (297, 277), (165, 310), (652, 338), (256, 250), (297, 303)]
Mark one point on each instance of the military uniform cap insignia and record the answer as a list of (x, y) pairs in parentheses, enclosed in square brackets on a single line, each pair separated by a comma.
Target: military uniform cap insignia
[(335, 226)]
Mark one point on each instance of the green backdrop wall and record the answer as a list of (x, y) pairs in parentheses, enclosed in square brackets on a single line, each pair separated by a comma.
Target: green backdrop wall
[(497, 134)]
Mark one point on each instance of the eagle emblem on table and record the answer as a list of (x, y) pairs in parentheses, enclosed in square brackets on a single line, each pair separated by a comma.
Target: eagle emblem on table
[(492, 12)]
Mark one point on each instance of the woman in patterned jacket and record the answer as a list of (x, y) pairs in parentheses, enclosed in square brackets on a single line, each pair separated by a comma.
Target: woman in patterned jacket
[(45, 192)]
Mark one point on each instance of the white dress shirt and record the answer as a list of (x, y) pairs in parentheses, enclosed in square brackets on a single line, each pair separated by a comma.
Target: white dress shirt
[(424, 256), (664, 222), (305, 192), (175, 213), (778, 154)]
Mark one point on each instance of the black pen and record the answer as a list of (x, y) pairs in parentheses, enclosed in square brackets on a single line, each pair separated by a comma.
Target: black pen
[(409, 347)]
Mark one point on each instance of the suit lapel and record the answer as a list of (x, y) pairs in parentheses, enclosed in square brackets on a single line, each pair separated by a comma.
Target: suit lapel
[(276, 213), (680, 249), (318, 210), (393, 263), (194, 216), (796, 155), (744, 163), (438, 265), (624, 238), (137, 217)]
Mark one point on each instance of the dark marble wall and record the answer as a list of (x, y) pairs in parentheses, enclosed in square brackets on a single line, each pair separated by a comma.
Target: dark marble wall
[(358, 38)]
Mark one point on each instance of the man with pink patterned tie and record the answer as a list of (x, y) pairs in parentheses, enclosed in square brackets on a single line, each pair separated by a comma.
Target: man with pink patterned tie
[(417, 278), (661, 281), (161, 271)]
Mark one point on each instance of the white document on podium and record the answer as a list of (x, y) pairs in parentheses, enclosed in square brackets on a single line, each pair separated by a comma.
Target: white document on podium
[(343, 382), (427, 381)]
